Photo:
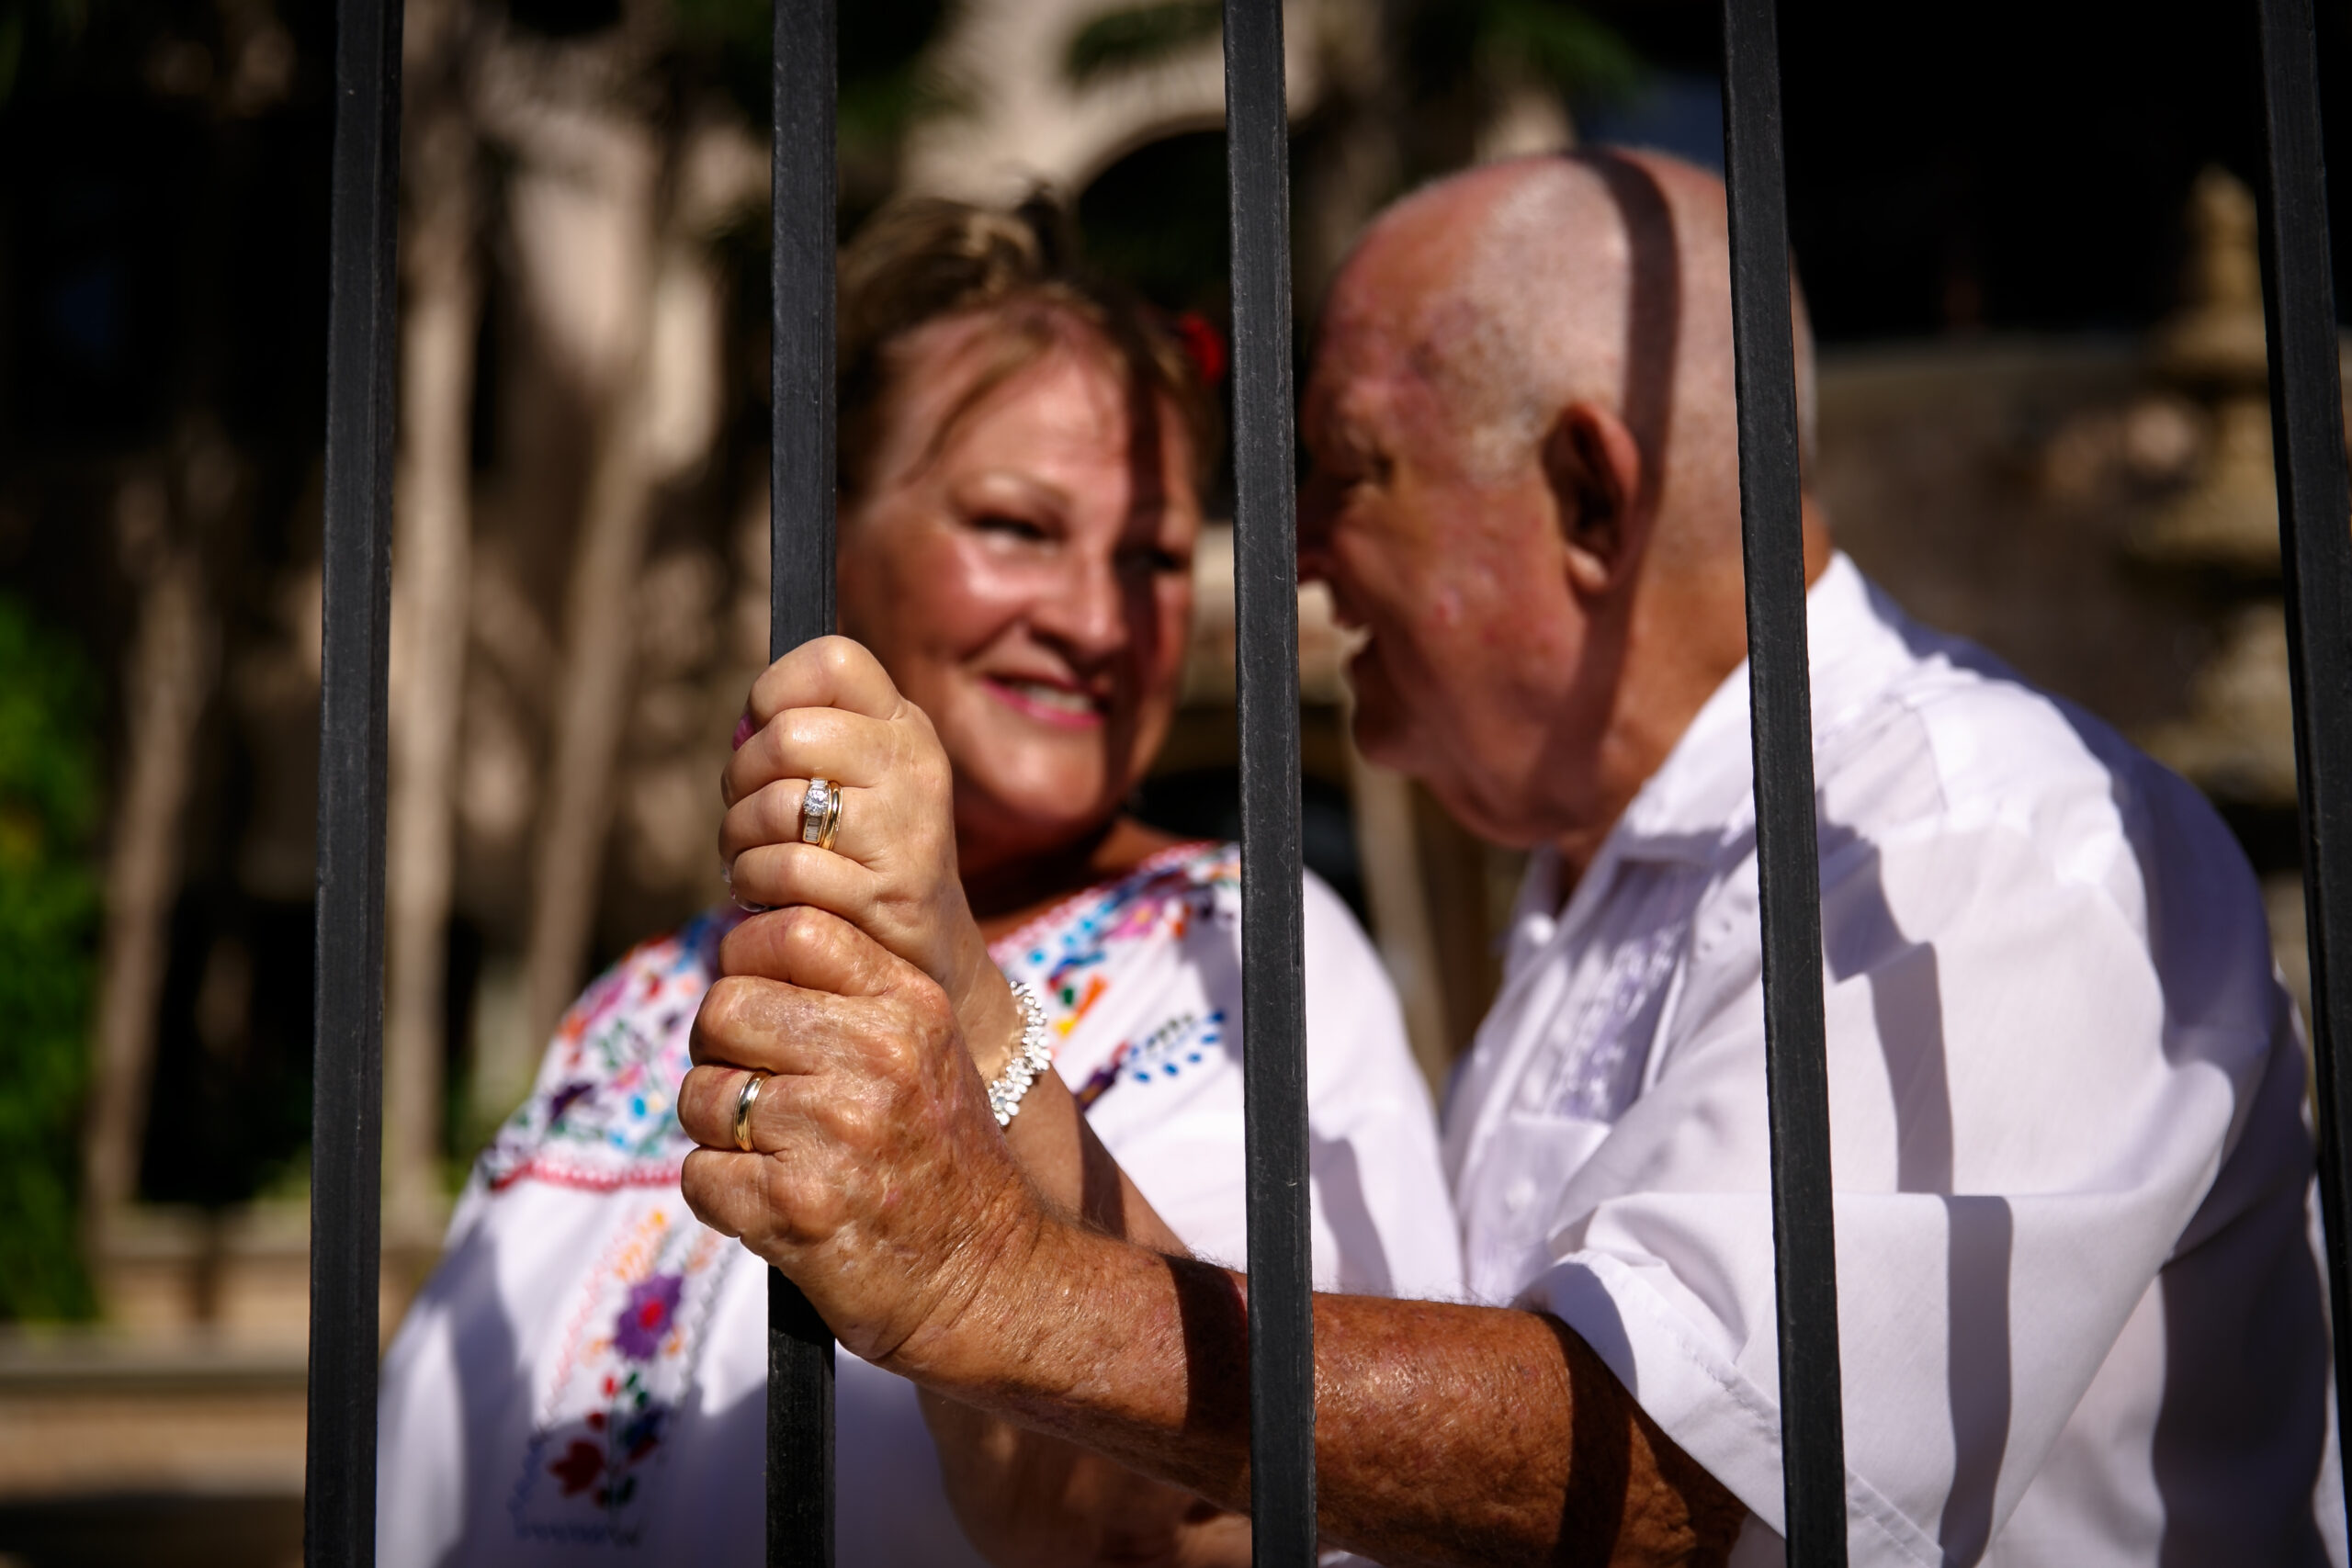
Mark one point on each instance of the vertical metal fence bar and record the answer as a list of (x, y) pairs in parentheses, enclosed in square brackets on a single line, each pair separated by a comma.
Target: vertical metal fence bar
[(1273, 993), (346, 1096), (800, 605), (2315, 547), (1795, 1062)]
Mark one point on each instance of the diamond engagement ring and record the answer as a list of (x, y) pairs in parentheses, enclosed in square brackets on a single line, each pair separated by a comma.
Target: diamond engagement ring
[(820, 813)]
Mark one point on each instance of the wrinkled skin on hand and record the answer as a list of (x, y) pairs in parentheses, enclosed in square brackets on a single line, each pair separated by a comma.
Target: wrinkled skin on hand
[(828, 710), (878, 1180)]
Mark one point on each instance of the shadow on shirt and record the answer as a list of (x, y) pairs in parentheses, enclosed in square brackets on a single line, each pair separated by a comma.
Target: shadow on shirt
[(2194, 1451)]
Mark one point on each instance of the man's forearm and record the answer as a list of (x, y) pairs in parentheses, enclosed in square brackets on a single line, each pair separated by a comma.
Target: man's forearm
[(1444, 1433)]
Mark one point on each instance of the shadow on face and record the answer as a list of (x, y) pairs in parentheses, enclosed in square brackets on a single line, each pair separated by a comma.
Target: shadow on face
[(1019, 559), (1458, 337)]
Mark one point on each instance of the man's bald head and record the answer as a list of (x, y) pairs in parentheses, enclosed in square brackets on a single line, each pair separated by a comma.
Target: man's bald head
[(1526, 482), (1600, 275)]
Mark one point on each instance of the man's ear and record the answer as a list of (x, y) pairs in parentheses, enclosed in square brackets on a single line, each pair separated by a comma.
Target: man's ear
[(1593, 465)]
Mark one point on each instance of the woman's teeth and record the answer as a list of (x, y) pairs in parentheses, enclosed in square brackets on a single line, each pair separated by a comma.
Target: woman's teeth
[(1059, 698)]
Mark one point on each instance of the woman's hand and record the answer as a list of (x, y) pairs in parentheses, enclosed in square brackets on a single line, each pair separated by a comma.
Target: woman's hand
[(828, 710)]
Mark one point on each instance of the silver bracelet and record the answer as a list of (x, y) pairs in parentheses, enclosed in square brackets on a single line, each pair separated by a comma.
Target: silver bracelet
[(1031, 1058)]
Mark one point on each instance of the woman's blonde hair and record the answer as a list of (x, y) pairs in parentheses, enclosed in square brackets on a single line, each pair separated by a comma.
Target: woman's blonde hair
[(922, 259)]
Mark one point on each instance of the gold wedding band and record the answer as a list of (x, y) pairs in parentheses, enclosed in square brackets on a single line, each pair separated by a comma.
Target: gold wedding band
[(820, 813), (747, 1097)]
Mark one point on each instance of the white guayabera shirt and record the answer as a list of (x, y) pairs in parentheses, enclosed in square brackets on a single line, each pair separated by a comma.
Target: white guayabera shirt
[(2080, 1315), (583, 1381)]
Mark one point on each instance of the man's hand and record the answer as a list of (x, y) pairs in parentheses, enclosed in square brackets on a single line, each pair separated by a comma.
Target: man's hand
[(828, 710), (876, 1178)]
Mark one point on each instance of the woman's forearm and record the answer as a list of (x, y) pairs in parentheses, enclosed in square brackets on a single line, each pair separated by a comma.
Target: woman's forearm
[(1050, 1137), (1036, 1501)]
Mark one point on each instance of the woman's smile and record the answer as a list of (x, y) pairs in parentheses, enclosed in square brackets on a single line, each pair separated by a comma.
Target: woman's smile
[(1063, 705)]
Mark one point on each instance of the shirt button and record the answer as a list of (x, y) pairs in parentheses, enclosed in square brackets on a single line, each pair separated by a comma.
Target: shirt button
[(1530, 1093), (1519, 1194)]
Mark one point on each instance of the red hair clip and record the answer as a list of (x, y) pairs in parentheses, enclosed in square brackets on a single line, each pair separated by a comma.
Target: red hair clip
[(1202, 346)]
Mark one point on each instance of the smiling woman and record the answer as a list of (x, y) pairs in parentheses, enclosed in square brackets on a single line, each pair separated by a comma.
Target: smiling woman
[(1021, 456), (1020, 471)]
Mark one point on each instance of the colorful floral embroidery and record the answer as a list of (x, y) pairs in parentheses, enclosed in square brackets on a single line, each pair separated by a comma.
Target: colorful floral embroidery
[(625, 1373), (1164, 1052), (1070, 955), (604, 1114)]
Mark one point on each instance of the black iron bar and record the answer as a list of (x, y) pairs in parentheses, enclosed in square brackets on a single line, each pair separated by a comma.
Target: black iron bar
[(800, 606), (1273, 985), (1813, 1443), (2315, 549), (347, 1075)]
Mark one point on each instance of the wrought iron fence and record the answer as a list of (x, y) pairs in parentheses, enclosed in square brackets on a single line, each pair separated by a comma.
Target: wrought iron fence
[(2314, 510)]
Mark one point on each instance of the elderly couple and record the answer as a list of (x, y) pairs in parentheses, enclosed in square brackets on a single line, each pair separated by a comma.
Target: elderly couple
[(2082, 1318)]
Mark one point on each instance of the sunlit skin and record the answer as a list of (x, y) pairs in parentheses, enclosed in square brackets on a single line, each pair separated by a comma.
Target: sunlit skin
[(1021, 567), (1027, 583), (1525, 490), (1524, 656), (1470, 621)]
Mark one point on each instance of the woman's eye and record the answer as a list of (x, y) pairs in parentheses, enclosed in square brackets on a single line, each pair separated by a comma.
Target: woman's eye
[(1009, 526), (1152, 562)]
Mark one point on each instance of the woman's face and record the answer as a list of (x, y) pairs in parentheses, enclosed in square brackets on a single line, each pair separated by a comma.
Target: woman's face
[(1028, 581)]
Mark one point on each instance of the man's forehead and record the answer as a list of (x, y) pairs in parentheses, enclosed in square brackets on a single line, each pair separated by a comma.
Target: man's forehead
[(1363, 369), (1375, 333)]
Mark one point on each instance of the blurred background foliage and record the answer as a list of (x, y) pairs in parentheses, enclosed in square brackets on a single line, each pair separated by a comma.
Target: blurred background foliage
[(49, 810), (1483, 43), (31, 33), (1130, 37), (884, 84)]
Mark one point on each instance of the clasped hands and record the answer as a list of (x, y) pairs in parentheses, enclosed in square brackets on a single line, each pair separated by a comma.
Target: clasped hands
[(878, 1178)]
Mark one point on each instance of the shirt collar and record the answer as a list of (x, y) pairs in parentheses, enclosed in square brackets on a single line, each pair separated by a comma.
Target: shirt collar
[(1701, 796)]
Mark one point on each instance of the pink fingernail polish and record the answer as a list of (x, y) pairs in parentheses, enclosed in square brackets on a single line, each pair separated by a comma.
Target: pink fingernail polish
[(744, 731)]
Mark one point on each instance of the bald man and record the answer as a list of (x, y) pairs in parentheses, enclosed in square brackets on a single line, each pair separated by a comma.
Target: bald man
[(2080, 1311)]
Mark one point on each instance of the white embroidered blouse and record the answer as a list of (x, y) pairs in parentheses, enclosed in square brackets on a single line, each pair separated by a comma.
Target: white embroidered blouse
[(583, 1380)]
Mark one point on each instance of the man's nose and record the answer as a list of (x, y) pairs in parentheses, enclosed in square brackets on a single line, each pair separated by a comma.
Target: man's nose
[(1314, 533)]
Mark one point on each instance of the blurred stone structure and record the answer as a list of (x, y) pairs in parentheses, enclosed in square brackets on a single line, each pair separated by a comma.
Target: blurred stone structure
[(2102, 515), (2217, 537)]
